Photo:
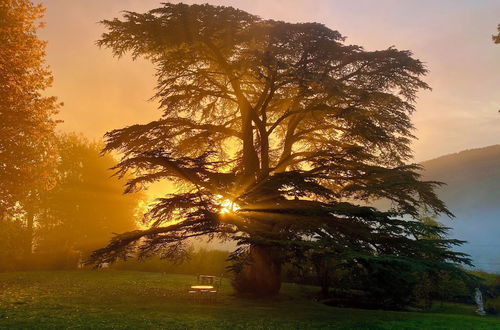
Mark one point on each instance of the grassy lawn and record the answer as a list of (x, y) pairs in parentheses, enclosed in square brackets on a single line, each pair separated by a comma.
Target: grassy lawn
[(135, 300)]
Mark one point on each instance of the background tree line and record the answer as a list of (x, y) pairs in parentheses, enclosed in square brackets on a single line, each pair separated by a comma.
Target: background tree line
[(78, 214)]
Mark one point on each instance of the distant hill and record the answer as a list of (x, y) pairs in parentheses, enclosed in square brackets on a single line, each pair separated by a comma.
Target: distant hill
[(472, 193)]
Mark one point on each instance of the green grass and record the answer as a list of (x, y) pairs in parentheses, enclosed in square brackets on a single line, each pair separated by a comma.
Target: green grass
[(135, 300)]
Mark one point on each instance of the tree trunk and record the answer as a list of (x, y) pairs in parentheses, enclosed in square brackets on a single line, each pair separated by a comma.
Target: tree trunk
[(250, 157), (323, 272), (325, 285), (262, 276), (28, 248)]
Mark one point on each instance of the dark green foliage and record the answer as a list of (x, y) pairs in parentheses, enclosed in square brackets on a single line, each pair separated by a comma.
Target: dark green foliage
[(444, 286), (389, 266), (490, 289), (492, 306), (289, 124)]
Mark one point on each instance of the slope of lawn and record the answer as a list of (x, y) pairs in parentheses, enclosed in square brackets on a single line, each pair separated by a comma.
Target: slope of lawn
[(137, 300)]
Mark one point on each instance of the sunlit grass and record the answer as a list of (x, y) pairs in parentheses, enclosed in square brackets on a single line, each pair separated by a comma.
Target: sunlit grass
[(135, 300)]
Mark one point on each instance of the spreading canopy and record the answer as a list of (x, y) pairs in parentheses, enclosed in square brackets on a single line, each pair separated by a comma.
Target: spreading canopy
[(284, 120)]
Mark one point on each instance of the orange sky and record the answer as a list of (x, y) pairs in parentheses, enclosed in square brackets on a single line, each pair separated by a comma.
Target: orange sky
[(452, 37)]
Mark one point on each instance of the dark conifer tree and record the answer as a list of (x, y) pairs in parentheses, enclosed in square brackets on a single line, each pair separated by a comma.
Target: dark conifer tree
[(273, 133)]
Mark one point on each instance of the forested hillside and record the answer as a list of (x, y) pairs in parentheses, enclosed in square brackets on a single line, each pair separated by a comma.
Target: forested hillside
[(473, 194)]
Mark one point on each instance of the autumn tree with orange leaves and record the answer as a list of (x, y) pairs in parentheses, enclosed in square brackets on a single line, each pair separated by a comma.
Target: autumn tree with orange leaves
[(27, 153)]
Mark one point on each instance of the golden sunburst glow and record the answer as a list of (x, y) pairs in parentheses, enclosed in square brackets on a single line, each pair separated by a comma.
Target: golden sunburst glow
[(227, 205)]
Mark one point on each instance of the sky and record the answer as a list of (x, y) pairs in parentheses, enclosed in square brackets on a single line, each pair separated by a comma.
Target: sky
[(453, 38)]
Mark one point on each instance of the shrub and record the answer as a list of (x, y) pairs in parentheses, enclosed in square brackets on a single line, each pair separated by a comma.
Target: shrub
[(492, 306)]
